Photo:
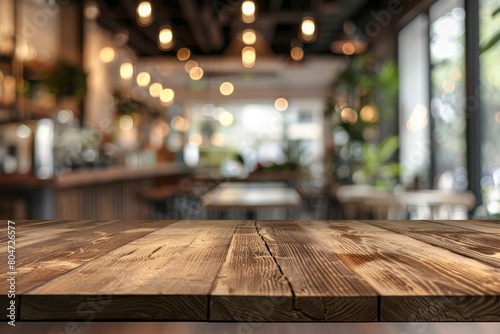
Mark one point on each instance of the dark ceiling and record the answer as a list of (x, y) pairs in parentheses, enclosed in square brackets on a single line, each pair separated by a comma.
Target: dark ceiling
[(207, 27)]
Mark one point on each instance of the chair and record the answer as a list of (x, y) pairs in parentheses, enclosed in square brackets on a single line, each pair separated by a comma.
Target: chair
[(367, 202), (436, 204)]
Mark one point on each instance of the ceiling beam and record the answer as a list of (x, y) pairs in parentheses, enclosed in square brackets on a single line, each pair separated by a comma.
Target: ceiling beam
[(269, 30), (213, 26), (191, 11)]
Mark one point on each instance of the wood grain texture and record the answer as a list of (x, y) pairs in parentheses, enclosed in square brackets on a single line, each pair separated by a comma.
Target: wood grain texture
[(323, 287), (485, 226), (176, 265), (250, 284), (255, 271), (479, 246), (396, 265), (44, 256)]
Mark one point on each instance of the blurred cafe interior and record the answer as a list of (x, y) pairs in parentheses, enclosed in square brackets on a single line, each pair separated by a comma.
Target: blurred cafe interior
[(232, 109)]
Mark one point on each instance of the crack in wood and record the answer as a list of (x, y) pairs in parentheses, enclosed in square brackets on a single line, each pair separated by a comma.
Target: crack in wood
[(294, 296)]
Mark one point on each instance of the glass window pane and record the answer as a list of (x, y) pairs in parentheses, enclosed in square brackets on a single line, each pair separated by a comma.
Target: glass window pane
[(490, 104), (447, 52)]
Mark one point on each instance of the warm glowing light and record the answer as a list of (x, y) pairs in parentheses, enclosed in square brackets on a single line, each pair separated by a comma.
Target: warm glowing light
[(497, 117), (143, 79), (190, 65), (196, 139), (281, 104), (249, 37), (155, 89), (248, 8), (180, 123), (183, 54), (167, 95), (248, 56), (166, 38), (25, 51), (349, 115), (297, 53), (144, 9), (226, 119), (369, 114), (348, 48), (107, 55), (145, 13), (248, 11), (308, 29), (166, 35), (126, 70), (418, 119), (23, 131), (196, 73), (217, 139), (91, 11), (226, 88), (126, 123)]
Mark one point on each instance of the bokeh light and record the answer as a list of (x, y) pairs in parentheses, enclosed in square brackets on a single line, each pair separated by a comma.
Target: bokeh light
[(226, 88), (281, 104)]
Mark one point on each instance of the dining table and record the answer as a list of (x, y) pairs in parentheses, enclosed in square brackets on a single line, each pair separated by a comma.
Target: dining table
[(252, 271), (252, 197)]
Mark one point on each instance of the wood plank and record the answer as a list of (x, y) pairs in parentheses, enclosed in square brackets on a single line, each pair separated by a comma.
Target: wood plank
[(323, 287), (480, 246), (51, 251), (413, 278), (164, 275), (250, 286), (484, 226)]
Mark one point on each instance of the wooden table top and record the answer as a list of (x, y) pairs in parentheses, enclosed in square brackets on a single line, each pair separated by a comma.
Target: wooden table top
[(252, 195), (256, 270)]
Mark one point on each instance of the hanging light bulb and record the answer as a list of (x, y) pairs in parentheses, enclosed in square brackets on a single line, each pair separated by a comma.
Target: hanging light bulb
[(308, 29), (248, 56), (249, 37), (297, 53), (107, 55), (144, 13), (183, 54), (143, 79), (248, 11), (166, 38), (126, 70)]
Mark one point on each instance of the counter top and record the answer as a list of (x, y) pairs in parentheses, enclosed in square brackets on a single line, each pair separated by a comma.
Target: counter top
[(356, 271), (93, 176)]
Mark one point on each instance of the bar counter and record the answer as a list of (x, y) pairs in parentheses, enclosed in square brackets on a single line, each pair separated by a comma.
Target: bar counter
[(101, 193), (271, 271)]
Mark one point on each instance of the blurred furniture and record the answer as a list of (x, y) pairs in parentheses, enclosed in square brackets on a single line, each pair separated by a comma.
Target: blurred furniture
[(257, 271), (366, 202), (180, 200), (436, 204), (102, 193), (252, 197), (13, 207)]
